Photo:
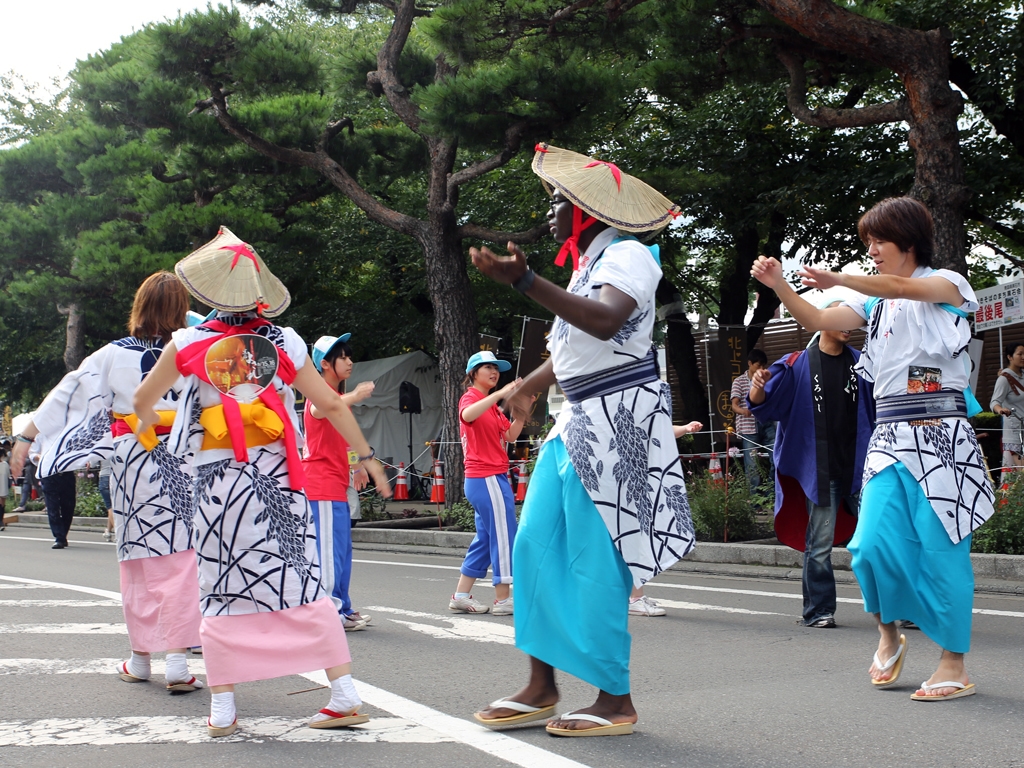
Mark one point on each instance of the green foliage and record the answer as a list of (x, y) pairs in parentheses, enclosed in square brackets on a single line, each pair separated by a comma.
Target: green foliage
[(88, 502), (461, 514), (720, 512), (1003, 533)]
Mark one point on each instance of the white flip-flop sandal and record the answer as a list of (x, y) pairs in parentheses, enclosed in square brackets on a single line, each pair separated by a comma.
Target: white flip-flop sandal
[(604, 727), (961, 691), (527, 714), (895, 663)]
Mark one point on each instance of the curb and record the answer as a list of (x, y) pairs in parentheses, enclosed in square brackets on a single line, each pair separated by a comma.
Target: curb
[(1002, 574)]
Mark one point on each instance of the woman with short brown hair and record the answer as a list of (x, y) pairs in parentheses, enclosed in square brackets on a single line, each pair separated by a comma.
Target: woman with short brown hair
[(150, 489)]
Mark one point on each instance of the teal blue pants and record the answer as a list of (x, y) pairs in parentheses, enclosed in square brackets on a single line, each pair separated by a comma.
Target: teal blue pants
[(906, 564), (572, 586)]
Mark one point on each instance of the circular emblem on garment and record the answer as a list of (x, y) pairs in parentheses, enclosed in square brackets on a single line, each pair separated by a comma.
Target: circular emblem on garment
[(725, 405), (242, 366)]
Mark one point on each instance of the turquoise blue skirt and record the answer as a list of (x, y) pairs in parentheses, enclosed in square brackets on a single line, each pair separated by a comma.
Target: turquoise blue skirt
[(906, 564), (572, 585)]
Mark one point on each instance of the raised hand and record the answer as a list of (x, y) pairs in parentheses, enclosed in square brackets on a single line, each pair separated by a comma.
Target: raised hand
[(686, 429), (760, 378), (509, 388), (362, 391), (821, 279), (768, 271), (502, 269)]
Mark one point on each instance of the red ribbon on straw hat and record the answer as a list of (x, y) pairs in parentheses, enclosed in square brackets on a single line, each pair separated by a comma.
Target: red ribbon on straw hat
[(616, 173), (242, 249)]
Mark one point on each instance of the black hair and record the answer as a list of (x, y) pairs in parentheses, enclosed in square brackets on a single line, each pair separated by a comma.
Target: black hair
[(903, 221), (1009, 349), (341, 349), (467, 380), (757, 356)]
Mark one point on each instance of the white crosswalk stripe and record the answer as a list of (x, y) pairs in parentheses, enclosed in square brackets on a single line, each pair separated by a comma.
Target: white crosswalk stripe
[(84, 667), (462, 628), (63, 629), (96, 731), (59, 604)]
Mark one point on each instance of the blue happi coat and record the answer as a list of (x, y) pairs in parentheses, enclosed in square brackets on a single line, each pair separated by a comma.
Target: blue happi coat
[(801, 464)]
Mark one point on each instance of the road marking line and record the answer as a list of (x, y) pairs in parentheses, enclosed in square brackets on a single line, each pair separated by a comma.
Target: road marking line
[(192, 730), (23, 586), (410, 565), (63, 629), (704, 607), (73, 587), (85, 666), (50, 541), (464, 731), (60, 603), (462, 628)]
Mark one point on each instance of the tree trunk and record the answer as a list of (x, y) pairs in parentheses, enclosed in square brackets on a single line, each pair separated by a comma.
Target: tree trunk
[(74, 346), (935, 138), (922, 60), (734, 291), (682, 356), (455, 331)]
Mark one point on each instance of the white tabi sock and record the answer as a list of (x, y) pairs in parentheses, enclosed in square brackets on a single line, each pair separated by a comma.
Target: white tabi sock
[(222, 709), (177, 668), (343, 695), (138, 666)]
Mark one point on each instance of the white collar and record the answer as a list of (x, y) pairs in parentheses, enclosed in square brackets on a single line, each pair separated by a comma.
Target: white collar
[(602, 241)]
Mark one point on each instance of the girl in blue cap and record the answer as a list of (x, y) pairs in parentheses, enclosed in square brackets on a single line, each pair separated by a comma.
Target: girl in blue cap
[(485, 431), (328, 474)]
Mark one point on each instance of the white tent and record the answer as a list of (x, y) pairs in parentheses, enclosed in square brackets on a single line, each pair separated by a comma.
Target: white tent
[(385, 427)]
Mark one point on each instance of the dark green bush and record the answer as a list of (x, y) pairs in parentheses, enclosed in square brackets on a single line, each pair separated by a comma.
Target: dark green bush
[(1003, 534), (721, 513)]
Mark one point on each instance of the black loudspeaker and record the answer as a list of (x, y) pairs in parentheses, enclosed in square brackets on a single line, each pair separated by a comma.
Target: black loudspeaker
[(408, 397)]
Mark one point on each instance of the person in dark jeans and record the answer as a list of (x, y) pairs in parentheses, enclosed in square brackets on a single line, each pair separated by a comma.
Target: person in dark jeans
[(825, 417), (60, 494)]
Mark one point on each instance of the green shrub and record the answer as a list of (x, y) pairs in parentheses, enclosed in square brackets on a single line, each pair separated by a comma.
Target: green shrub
[(1003, 534), (461, 514), (88, 502), (721, 513)]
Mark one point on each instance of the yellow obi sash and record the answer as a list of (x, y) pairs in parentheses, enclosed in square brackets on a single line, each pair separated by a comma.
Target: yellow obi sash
[(262, 426), (148, 439)]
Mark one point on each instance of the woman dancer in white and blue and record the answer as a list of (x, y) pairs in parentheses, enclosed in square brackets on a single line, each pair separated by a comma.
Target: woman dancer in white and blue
[(486, 432), (926, 486)]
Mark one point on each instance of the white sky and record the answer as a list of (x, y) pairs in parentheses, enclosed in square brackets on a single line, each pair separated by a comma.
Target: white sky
[(42, 39)]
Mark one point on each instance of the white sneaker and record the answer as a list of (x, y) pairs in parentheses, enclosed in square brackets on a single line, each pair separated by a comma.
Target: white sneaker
[(352, 625), (502, 609), (467, 605), (645, 606)]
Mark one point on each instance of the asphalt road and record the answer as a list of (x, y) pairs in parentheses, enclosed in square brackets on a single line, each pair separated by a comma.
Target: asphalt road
[(726, 679)]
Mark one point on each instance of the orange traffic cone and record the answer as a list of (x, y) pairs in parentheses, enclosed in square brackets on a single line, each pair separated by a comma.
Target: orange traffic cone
[(524, 477), (401, 484), (437, 489), (715, 468)]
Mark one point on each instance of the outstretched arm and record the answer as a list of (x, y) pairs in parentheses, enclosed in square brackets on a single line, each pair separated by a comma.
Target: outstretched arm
[(769, 272), (935, 290), (473, 412), (601, 318)]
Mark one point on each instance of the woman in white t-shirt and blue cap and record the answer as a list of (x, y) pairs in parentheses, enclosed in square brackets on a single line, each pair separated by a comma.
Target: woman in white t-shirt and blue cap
[(485, 432)]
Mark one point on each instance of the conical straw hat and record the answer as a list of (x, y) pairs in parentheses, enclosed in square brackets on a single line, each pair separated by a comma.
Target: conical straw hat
[(229, 275), (603, 191)]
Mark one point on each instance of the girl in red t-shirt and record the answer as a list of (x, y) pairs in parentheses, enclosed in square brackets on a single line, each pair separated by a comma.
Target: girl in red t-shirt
[(485, 430)]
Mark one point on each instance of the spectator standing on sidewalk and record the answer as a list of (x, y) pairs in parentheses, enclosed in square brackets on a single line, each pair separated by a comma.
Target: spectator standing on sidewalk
[(30, 477), (485, 432), (1008, 402), (751, 434), (822, 440)]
